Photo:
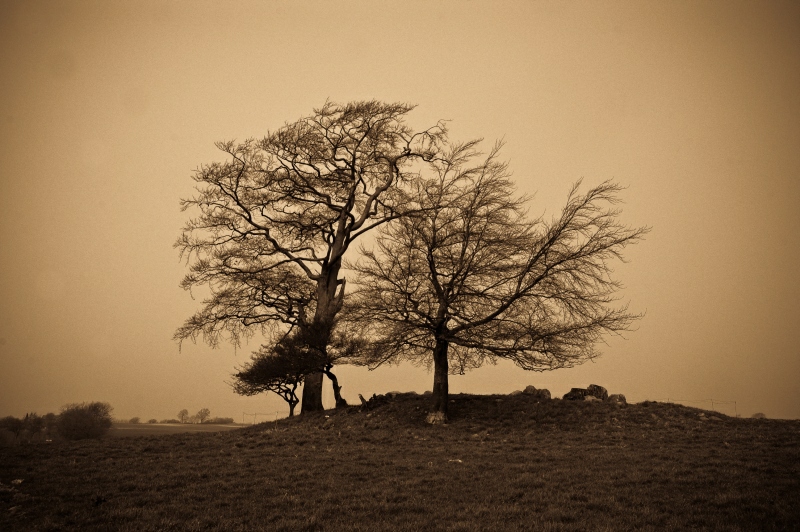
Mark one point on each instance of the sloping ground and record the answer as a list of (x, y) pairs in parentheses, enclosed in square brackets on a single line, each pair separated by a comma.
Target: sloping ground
[(503, 463)]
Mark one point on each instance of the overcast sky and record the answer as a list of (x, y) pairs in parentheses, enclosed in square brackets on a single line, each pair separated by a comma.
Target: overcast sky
[(106, 108)]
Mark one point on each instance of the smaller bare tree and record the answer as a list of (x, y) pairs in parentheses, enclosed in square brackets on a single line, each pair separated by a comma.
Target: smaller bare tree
[(470, 279), (203, 415), (183, 416)]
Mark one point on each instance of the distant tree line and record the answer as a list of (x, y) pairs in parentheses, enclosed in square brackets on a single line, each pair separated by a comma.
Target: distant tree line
[(78, 421), (202, 416)]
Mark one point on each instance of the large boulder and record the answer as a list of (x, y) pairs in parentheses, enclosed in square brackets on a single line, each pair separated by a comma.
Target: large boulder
[(759, 415), (597, 391), (575, 394), (539, 394), (617, 399)]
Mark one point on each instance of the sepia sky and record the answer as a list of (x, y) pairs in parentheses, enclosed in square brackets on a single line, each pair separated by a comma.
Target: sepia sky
[(107, 107)]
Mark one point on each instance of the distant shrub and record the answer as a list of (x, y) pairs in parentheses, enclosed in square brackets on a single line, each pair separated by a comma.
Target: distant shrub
[(151, 421), (13, 425), (759, 415), (50, 425), (135, 420), (167, 421), (221, 420), (84, 421), (34, 424)]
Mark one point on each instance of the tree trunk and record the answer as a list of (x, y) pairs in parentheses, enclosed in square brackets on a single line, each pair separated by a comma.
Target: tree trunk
[(328, 305), (440, 383), (337, 390), (312, 393), (291, 409)]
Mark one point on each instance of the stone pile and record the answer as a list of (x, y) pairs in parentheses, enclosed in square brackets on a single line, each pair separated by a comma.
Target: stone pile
[(594, 392)]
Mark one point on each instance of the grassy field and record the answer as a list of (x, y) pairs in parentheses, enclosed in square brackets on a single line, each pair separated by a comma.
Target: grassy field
[(127, 430), (503, 463)]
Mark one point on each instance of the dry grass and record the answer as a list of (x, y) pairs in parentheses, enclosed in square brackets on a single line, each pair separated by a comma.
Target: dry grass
[(504, 462)]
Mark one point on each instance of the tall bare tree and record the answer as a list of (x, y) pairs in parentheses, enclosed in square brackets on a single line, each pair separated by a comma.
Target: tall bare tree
[(277, 217), (471, 279)]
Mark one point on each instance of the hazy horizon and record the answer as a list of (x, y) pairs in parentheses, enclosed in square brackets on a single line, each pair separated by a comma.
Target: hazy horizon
[(106, 108)]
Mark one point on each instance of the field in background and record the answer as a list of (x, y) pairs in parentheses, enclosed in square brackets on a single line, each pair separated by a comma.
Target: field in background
[(122, 430), (504, 462)]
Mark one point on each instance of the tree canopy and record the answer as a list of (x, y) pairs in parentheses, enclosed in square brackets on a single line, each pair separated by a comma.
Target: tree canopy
[(471, 279), (278, 215)]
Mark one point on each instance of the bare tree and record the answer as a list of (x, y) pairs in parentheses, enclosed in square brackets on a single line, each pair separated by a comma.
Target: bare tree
[(278, 216), (183, 416), (470, 280), (203, 415)]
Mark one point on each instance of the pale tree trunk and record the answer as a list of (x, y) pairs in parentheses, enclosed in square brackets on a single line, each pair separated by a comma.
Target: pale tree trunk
[(328, 305), (440, 383)]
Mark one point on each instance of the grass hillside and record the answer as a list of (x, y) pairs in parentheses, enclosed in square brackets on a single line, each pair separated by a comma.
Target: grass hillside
[(502, 463)]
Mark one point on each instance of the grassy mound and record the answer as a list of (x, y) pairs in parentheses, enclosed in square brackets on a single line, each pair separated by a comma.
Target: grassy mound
[(503, 462)]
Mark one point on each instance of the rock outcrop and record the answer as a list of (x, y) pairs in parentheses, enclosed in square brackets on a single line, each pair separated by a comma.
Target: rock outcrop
[(575, 394), (542, 394), (617, 399), (597, 391)]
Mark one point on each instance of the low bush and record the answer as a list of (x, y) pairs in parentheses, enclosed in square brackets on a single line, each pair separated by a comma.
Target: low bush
[(84, 421), (220, 421)]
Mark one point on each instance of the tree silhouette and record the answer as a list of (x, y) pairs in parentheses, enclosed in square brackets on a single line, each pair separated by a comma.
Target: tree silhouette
[(471, 280), (203, 415), (277, 217), (283, 367)]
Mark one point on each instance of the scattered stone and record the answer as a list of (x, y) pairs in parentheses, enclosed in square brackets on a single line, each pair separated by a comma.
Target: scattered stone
[(575, 394), (597, 391), (617, 399), (373, 401), (592, 399), (427, 393), (759, 415), (516, 392), (436, 418)]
